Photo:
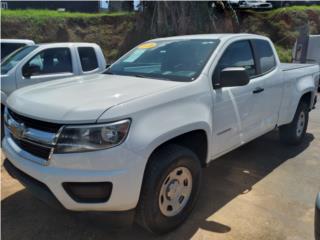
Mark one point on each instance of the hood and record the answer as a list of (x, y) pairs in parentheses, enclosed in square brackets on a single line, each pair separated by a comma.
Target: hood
[(81, 99)]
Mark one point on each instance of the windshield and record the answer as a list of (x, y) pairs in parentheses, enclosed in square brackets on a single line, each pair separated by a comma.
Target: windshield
[(179, 60), (7, 48), (15, 57)]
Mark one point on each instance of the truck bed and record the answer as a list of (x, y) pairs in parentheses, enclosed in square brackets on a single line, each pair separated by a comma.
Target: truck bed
[(292, 66)]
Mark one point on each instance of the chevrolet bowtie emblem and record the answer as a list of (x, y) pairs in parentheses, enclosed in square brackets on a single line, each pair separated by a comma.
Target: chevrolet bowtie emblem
[(17, 129)]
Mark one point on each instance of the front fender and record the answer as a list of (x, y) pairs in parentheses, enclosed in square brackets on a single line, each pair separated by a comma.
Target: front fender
[(160, 124), (161, 117)]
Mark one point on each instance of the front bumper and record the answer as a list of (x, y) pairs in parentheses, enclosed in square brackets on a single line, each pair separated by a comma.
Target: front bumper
[(119, 166), (41, 191), (37, 188)]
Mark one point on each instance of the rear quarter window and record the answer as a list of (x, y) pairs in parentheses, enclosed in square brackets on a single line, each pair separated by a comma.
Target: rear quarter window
[(88, 58), (265, 55)]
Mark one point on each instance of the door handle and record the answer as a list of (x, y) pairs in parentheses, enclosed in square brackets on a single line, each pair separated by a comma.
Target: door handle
[(258, 90)]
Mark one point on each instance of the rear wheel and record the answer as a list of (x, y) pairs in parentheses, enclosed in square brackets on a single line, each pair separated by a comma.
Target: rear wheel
[(294, 132), (170, 189)]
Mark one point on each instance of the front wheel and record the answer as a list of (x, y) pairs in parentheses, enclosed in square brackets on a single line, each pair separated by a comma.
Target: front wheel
[(294, 132), (170, 189)]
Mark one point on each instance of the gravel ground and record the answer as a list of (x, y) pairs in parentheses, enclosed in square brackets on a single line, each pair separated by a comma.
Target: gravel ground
[(263, 190)]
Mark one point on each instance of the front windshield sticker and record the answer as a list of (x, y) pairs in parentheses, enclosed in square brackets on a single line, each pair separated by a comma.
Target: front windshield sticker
[(147, 45), (135, 55)]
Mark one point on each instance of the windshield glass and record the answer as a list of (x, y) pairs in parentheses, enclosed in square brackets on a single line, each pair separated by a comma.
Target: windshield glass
[(13, 59), (179, 60), (7, 48)]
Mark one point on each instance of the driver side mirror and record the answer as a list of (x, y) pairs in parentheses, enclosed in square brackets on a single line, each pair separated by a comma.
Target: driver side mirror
[(28, 71), (232, 77)]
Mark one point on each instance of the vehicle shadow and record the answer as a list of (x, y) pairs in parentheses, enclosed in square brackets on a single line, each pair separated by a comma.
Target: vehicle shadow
[(24, 217)]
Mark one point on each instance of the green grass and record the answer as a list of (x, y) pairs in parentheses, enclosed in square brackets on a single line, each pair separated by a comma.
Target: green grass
[(285, 55), (44, 14), (286, 10), (296, 8)]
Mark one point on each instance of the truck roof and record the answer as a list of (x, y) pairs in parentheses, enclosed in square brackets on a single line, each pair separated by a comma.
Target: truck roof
[(223, 36), (25, 41), (66, 44)]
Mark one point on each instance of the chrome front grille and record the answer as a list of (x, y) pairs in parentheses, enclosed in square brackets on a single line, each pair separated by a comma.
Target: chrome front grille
[(35, 137), (36, 124)]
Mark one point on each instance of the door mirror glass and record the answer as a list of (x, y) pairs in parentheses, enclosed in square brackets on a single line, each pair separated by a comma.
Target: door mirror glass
[(31, 70), (232, 76)]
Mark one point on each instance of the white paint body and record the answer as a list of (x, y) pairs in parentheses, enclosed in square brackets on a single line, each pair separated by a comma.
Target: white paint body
[(14, 79), (160, 110)]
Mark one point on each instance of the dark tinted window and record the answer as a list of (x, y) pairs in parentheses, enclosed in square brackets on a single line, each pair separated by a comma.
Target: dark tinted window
[(88, 58), (7, 48), (238, 54), (50, 61), (265, 55)]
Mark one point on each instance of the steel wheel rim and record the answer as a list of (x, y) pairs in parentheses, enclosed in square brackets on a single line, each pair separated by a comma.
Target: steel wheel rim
[(175, 191), (300, 124)]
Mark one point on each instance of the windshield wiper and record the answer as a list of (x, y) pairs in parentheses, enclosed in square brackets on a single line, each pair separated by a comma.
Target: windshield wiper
[(140, 76)]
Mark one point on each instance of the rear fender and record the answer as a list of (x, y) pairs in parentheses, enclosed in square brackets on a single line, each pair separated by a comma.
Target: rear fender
[(292, 96)]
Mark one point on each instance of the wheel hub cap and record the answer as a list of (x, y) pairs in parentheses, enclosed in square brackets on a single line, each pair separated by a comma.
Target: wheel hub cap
[(175, 191), (300, 124)]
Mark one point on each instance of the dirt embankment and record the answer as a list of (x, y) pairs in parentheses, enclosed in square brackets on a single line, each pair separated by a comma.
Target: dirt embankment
[(117, 34), (108, 32)]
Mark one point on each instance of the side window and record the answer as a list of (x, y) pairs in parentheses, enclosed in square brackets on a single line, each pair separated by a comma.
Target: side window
[(49, 61), (88, 58), (238, 54), (265, 55)]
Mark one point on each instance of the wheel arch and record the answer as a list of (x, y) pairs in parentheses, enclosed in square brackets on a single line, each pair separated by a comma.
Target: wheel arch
[(196, 140)]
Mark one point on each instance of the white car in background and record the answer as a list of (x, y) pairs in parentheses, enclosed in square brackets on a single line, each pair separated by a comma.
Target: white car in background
[(312, 51), (255, 4), (10, 45), (45, 62)]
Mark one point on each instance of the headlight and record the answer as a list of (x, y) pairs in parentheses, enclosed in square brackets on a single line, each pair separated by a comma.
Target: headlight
[(83, 138)]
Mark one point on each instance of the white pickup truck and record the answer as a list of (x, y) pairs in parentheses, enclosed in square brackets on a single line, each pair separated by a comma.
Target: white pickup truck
[(44, 62), (135, 139)]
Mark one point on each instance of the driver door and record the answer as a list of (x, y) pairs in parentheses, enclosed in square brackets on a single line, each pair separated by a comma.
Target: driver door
[(236, 114), (46, 65)]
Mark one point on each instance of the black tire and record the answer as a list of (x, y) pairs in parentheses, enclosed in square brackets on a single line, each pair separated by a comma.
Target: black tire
[(288, 133), (163, 162)]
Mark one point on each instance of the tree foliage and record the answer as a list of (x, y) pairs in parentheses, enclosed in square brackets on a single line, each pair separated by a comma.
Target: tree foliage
[(189, 17)]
